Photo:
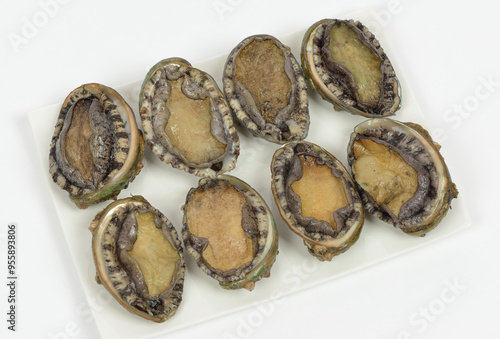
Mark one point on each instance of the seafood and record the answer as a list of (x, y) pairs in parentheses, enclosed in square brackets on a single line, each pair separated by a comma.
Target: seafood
[(266, 89), (346, 65), (138, 258), (96, 149), (317, 198), (401, 175), (186, 119), (229, 231)]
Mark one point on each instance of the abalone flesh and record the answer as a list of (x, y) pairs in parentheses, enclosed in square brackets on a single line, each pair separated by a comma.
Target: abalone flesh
[(96, 149), (401, 175), (138, 257), (229, 231), (186, 119), (317, 198), (346, 65), (266, 89)]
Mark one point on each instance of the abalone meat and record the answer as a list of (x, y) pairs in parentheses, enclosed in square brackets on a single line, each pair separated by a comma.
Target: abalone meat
[(346, 65), (96, 149), (317, 198), (138, 257), (401, 176), (266, 89), (186, 119), (229, 231)]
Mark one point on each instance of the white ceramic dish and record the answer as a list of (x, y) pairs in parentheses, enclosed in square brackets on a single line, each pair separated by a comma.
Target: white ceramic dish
[(166, 188)]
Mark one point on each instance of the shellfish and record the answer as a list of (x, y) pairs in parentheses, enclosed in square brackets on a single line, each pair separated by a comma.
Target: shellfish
[(346, 65), (401, 175), (266, 89), (317, 198), (186, 119), (229, 231), (138, 258), (96, 149)]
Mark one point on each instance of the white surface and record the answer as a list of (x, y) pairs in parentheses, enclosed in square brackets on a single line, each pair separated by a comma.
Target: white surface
[(447, 56)]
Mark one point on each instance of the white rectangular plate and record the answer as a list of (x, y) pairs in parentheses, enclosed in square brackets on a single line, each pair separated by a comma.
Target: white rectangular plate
[(166, 188)]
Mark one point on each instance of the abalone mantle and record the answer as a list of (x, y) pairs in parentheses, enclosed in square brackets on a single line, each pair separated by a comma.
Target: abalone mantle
[(402, 177), (346, 65), (186, 119), (317, 198), (138, 258), (96, 149), (229, 231), (266, 89)]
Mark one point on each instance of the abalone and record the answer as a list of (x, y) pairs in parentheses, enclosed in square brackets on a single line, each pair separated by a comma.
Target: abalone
[(401, 175), (346, 65), (139, 258), (186, 119), (229, 231), (317, 198), (266, 89), (97, 148)]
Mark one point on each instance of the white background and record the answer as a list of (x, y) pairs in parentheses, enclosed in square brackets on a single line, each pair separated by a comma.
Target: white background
[(448, 53)]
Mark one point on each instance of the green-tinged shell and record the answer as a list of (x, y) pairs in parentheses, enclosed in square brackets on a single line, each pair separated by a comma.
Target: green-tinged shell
[(266, 89), (427, 196), (323, 238), (114, 147), (115, 232), (334, 81), (205, 211), (206, 145)]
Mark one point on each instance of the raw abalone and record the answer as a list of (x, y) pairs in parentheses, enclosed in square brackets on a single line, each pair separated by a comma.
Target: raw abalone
[(229, 231), (346, 65), (266, 89), (138, 257), (96, 149), (186, 119), (401, 175), (317, 198)]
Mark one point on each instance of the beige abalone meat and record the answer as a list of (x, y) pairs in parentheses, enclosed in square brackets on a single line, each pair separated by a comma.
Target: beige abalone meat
[(346, 65), (401, 175), (317, 198), (138, 258), (186, 119), (229, 231), (96, 149), (266, 89)]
